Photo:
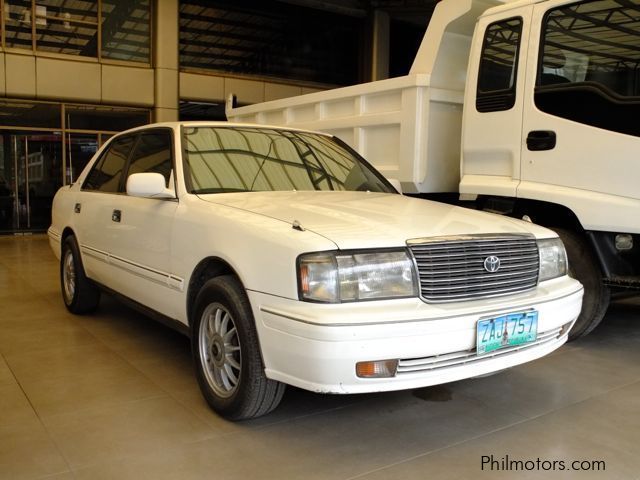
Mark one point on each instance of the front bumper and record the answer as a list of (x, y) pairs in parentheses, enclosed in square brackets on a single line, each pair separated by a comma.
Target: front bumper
[(316, 347)]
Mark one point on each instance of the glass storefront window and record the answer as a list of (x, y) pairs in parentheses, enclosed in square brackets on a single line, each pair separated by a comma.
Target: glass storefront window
[(104, 137), (30, 174), (81, 117), (40, 151), (64, 36), (125, 30), (272, 39), (78, 10), (17, 24), (75, 27), (80, 148), (80, 145), (32, 115)]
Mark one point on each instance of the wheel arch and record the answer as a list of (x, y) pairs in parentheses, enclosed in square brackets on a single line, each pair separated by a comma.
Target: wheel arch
[(553, 215), (206, 269), (585, 259), (548, 214), (68, 231)]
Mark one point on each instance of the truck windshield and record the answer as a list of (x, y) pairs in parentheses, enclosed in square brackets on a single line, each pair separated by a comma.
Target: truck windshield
[(247, 159)]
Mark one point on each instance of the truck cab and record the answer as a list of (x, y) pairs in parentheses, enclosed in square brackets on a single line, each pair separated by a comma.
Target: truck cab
[(550, 131)]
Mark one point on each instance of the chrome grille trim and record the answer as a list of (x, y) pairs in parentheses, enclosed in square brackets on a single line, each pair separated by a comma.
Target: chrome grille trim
[(495, 278), (435, 362), (452, 268)]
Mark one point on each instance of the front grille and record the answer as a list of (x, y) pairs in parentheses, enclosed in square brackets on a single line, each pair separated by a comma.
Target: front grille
[(453, 268), (455, 359)]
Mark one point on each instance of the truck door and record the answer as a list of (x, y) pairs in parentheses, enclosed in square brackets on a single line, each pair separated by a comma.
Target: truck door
[(581, 109), (492, 117)]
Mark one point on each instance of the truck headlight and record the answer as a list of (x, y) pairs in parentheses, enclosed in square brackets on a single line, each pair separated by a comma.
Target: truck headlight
[(553, 259), (333, 277)]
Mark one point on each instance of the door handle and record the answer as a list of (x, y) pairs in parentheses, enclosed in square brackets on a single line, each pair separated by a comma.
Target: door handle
[(116, 216), (539, 140), (77, 208)]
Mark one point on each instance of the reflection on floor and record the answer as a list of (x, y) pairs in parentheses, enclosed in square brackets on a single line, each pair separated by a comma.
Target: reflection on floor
[(112, 395)]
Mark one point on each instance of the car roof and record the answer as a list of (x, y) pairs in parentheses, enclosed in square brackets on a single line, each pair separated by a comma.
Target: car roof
[(223, 124)]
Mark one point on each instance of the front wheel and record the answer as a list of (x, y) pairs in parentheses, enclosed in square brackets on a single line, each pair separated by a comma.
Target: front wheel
[(584, 268), (227, 354)]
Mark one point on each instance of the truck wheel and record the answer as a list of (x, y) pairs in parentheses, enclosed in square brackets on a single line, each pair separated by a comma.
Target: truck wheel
[(227, 355), (583, 266), (80, 295)]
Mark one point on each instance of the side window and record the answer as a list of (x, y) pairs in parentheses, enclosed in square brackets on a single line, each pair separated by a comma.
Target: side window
[(498, 66), (106, 174), (153, 153), (588, 70)]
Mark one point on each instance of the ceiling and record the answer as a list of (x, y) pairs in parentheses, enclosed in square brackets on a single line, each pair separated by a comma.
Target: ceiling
[(417, 12)]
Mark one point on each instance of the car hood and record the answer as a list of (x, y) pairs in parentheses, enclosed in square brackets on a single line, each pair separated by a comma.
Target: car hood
[(371, 220)]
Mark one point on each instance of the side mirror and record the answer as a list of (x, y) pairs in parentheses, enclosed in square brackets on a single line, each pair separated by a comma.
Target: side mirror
[(148, 185), (395, 183)]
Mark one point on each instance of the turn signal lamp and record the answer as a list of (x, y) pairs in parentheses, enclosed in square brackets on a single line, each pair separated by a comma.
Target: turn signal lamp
[(379, 369), (565, 329)]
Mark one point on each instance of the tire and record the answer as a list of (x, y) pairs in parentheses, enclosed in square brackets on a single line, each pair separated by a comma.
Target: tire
[(583, 267), (227, 355), (80, 295)]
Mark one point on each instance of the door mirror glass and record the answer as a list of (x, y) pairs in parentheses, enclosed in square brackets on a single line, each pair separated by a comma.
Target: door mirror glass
[(148, 185)]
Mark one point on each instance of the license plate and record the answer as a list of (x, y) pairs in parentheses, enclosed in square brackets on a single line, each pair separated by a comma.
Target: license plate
[(506, 331)]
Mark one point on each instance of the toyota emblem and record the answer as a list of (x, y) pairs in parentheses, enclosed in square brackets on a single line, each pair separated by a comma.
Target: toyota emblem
[(492, 264)]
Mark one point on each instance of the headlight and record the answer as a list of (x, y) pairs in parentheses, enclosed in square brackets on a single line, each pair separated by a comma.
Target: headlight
[(553, 259), (334, 277)]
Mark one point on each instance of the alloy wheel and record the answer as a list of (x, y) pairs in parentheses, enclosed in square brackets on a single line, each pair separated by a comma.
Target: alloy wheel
[(219, 348)]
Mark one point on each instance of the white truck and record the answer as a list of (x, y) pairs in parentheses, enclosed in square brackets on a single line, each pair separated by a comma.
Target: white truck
[(528, 108)]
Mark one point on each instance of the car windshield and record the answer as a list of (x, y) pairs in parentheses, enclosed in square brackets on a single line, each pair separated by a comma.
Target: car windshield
[(251, 159)]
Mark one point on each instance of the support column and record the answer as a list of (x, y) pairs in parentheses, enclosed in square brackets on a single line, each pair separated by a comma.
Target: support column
[(380, 46), (166, 74)]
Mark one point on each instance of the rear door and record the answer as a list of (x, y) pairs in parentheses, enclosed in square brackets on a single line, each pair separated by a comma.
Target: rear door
[(100, 193), (581, 112)]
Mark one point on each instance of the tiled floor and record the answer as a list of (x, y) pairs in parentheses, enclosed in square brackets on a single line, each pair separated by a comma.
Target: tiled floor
[(113, 396)]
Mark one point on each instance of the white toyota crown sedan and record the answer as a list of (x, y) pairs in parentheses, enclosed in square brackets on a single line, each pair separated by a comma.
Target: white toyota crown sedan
[(288, 259)]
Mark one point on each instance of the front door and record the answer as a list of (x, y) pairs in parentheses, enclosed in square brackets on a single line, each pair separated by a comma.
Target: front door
[(30, 175), (581, 130)]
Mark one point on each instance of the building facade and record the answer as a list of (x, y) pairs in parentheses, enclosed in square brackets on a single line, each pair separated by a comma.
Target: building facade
[(75, 72)]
